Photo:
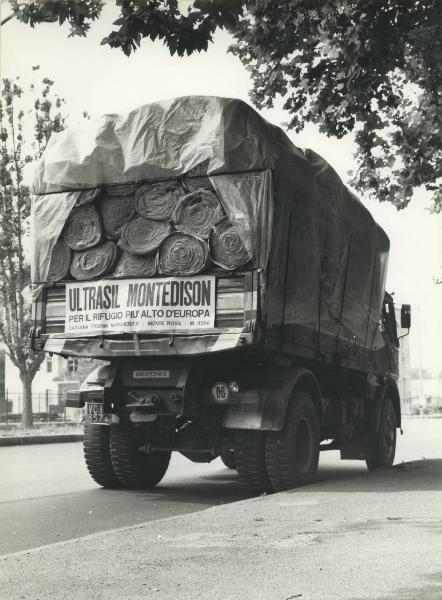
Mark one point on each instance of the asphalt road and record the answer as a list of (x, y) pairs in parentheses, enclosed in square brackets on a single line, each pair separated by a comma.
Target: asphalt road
[(47, 496)]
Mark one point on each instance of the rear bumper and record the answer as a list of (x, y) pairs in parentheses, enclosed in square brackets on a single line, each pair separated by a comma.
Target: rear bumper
[(182, 345)]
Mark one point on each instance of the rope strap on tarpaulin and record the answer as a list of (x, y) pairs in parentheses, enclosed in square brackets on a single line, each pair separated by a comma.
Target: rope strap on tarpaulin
[(94, 262), (121, 189), (183, 254), (131, 265)]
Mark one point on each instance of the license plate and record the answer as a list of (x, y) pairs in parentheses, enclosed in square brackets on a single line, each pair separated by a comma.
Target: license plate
[(95, 414)]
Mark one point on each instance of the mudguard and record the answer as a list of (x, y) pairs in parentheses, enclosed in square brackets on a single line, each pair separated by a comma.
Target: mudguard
[(388, 389), (265, 407)]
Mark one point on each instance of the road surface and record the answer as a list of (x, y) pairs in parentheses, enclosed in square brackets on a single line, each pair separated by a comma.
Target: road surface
[(47, 496)]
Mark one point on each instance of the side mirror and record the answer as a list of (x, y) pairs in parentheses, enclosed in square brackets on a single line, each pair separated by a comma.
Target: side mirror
[(406, 316)]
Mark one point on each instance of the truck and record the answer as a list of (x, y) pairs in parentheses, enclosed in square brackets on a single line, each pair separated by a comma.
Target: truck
[(266, 361)]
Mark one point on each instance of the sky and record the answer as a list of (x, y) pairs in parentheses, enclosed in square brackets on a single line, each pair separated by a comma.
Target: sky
[(100, 80)]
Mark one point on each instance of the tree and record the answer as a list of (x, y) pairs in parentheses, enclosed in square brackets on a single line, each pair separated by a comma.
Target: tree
[(15, 155), (369, 66)]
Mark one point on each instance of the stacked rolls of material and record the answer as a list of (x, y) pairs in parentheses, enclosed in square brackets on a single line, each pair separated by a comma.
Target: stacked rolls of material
[(115, 212), (131, 265), (183, 254), (143, 236), (226, 247), (174, 227), (83, 228), (157, 200), (197, 212), (60, 261), (94, 262)]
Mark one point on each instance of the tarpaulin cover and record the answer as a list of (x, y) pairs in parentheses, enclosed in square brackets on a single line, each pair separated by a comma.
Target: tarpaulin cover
[(323, 257)]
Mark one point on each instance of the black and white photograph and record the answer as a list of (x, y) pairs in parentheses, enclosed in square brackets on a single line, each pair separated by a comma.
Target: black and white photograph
[(220, 300)]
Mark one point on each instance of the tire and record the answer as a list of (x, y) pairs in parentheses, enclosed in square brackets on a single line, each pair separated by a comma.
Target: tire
[(292, 454), (133, 468), (96, 448), (250, 461), (385, 439), (228, 458)]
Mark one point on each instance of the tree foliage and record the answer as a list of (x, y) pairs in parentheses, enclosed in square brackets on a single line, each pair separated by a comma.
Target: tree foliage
[(16, 153), (373, 67)]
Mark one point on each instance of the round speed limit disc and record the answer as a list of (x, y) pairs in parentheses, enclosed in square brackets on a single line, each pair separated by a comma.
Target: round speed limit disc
[(221, 392)]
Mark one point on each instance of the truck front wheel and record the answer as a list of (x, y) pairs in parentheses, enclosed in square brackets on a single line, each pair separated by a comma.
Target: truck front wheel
[(96, 447), (135, 469), (292, 454), (385, 439)]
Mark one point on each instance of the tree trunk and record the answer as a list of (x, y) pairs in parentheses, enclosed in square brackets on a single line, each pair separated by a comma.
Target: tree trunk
[(27, 413)]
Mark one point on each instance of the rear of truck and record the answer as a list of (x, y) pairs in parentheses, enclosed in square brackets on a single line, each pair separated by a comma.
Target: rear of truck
[(178, 338), (230, 284)]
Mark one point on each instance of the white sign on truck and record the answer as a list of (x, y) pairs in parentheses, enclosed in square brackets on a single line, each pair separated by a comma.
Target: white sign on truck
[(133, 305)]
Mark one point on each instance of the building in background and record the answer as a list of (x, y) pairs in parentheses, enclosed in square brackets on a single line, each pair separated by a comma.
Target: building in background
[(426, 396), (55, 376)]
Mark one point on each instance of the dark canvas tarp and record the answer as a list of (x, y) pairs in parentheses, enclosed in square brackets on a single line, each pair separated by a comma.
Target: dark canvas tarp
[(322, 255)]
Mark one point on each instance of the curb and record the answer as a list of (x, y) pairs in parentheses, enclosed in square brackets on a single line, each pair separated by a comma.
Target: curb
[(41, 439)]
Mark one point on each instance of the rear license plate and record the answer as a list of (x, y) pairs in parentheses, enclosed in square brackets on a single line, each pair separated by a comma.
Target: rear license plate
[(95, 414)]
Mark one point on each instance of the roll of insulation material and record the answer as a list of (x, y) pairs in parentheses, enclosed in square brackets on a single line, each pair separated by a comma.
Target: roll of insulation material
[(197, 212), (157, 200), (143, 236), (60, 261), (183, 254), (83, 228), (115, 212), (226, 247), (94, 262), (132, 265)]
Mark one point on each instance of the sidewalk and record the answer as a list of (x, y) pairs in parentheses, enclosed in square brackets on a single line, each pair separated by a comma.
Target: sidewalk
[(376, 536), (41, 433)]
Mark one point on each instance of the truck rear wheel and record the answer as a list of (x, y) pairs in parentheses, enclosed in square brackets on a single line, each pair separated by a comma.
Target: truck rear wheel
[(385, 440), (292, 454), (250, 461), (134, 468), (96, 448), (228, 458)]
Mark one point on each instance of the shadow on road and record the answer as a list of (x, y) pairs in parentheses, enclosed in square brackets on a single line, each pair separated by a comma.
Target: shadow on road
[(414, 476), (222, 486)]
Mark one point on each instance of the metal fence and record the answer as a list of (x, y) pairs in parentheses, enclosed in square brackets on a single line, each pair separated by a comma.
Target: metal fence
[(47, 407)]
